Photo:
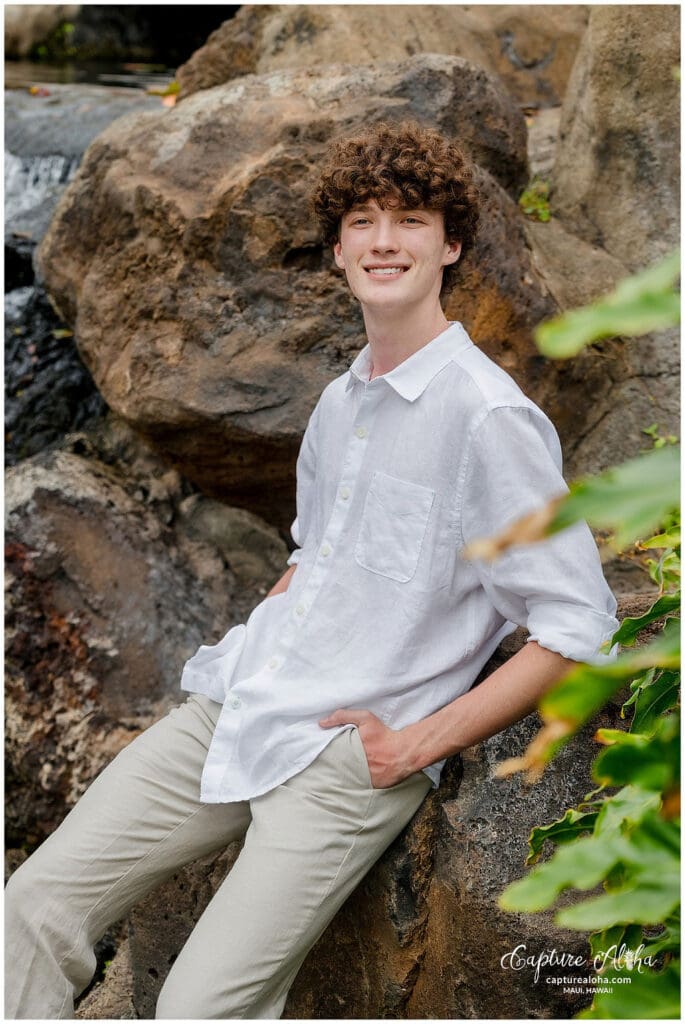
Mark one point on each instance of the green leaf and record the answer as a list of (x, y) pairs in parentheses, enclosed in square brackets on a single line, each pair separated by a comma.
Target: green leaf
[(654, 700), (639, 304), (586, 688), (651, 762), (643, 903), (670, 539), (573, 824), (601, 942), (627, 633), (627, 807), (651, 995), (582, 864), (668, 940), (631, 499)]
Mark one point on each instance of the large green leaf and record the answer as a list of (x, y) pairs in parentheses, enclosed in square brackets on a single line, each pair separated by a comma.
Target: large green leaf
[(644, 902), (649, 761), (627, 632), (627, 807), (582, 864), (631, 499), (639, 304), (654, 699), (651, 995)]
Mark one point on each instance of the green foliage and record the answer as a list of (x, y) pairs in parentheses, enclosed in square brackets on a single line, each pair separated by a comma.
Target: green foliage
[(632, 498), (646, 302), (534, 201), (57, 45), (622, 848), (650, 996)]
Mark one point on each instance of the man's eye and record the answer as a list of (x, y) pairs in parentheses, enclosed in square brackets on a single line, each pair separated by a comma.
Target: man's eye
[(413, 220)]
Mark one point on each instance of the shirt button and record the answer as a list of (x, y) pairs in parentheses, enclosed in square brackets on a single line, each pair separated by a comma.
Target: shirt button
[(325, 550), (273, 662), (361, 431), (344, 493), (235, 702), (300, 609)]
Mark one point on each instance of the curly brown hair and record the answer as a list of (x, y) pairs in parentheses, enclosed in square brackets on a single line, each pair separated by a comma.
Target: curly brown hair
[(405, 163)]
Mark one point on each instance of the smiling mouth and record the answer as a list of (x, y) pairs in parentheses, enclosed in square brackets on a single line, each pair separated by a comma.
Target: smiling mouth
[(385, 271)]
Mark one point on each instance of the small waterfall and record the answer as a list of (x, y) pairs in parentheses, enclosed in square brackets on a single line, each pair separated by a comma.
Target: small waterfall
[(29, 180)]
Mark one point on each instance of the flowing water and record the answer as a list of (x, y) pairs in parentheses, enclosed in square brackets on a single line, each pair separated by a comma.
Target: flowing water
[(48, 390)]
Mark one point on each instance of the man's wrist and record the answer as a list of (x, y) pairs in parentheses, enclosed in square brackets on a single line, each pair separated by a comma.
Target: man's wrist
[(421, 744)]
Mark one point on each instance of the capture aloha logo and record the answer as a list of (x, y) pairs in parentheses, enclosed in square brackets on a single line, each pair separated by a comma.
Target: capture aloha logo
[(615, 958)]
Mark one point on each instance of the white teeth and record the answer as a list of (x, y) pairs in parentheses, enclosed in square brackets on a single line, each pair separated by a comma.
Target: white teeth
[(385, 270)]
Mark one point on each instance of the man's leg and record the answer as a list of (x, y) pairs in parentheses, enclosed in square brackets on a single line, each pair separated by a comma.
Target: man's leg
[(310, 843), (138, 822)]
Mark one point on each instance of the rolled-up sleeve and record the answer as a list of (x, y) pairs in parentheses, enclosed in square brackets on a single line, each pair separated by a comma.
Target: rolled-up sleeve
[(554, 588), (306, 474)]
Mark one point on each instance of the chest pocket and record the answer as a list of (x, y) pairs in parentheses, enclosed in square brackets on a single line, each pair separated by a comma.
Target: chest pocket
[(393, 526)]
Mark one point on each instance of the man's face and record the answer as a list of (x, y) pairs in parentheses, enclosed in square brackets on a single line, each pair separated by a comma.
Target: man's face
[(394, 257)]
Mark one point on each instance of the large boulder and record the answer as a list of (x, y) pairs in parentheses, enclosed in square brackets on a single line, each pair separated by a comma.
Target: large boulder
[(531, 48), (616, 180), (202, 300), (104, 603)]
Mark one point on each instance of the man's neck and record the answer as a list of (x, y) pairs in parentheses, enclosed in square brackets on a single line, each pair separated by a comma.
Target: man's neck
[(394, 339)]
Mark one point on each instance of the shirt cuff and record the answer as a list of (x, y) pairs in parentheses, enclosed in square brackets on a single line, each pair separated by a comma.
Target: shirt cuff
[(294, 557), (574, 632)]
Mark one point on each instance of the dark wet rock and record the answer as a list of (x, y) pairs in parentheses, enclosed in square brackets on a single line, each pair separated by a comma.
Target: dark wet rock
[(48, 390), (86, 32)]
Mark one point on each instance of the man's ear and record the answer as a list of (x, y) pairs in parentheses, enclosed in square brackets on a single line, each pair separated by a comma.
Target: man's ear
[(337, 253), (453, 253)]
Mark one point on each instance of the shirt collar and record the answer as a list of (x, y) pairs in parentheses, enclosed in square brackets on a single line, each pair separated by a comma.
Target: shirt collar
[(412, 376)]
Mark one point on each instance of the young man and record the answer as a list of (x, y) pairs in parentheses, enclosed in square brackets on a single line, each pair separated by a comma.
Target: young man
[(316, 729)]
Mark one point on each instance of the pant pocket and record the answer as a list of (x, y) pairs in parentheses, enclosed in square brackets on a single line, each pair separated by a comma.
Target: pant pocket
[(360, 757)]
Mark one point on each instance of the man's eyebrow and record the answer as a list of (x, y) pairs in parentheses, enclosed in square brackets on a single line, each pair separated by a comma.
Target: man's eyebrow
[(365, 207)]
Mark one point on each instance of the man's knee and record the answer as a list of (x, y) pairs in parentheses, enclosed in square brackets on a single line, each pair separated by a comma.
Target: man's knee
[(193, 996), (25, 890)]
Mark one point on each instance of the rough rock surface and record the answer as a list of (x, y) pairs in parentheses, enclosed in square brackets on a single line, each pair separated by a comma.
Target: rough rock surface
[(253, 550), (422, 936), (530, 48), (603, 398), (104, 603), (616, 181), (203, 303)]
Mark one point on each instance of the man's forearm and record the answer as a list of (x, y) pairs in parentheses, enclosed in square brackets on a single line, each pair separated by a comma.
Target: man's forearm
[(510, 693), (284, 581)]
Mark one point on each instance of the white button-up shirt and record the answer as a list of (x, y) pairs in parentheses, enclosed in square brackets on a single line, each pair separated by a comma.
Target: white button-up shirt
[(394, 476)]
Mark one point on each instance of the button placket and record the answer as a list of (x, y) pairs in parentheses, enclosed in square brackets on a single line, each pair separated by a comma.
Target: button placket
[(350, 472)]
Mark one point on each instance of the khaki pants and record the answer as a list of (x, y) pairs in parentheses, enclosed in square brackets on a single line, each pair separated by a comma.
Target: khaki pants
[(308, 843)]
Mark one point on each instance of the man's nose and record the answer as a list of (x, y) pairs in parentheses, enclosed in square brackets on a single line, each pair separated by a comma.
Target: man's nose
[(385, 237)]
